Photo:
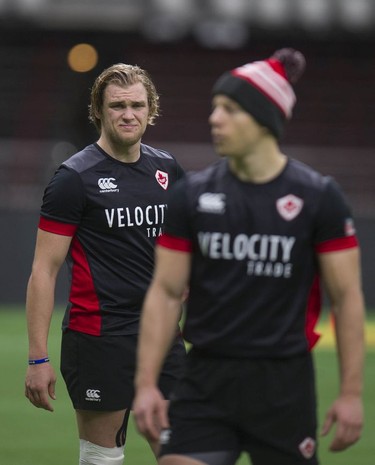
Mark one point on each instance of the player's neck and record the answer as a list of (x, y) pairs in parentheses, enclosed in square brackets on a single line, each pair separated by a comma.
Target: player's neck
[(259, 166), (125, 154)]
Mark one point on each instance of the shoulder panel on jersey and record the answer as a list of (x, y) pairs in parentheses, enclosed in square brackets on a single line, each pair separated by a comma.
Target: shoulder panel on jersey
[(152, 152), (85, 159), (210, 174), (306, 174)]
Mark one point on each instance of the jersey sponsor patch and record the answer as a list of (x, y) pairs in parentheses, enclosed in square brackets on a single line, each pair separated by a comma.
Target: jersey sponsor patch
[(289, 207), (162, 179)]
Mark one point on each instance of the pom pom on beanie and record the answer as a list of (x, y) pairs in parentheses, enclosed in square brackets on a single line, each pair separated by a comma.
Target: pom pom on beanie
[(264, 88)]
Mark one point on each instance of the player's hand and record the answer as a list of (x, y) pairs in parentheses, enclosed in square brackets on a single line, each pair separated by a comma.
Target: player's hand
[(347, 413), (150, 412), (40, 385)]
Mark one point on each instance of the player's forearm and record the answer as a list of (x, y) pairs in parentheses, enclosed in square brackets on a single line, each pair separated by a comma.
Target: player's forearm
[(39, 308), (349, 327), (160, 315)]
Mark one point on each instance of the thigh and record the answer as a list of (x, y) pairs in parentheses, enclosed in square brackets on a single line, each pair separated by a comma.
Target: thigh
[(179, 460), (98, 371), (284, 413), (106, 429), (200, 412), (221, 457), (264, 407), (204, 458), (173, 367)]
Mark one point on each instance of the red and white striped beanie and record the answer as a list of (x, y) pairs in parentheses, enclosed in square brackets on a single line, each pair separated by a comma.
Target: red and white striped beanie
[(263, 88)]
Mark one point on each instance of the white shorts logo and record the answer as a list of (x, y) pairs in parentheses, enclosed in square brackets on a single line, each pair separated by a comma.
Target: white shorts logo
[(289, 207), (93, 395), (164, 436), (162, 179)]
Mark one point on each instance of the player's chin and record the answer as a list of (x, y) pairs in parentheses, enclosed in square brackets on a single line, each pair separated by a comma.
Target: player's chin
[(130, 139), (219, 149)]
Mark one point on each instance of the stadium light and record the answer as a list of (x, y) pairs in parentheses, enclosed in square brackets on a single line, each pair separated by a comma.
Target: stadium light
[(218, 33), (233, 9), (357, 15), (315, 14), (277, 13)]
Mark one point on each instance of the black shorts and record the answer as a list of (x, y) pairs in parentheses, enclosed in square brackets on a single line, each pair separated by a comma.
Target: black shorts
[(99, 371), (266, 408)]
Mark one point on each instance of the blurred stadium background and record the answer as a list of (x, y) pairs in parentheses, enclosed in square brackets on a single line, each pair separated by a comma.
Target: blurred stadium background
[(52, 50)]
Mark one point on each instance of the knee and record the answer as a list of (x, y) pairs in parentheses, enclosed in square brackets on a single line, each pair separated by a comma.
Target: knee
[(92, 454)]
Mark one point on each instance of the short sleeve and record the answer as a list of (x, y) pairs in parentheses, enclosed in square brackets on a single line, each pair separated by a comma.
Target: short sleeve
[(64, 197), (180, 171), (177, 217), (335, 228)]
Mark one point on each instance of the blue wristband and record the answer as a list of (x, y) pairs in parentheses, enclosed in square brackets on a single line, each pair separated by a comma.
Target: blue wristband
[(39, 361)]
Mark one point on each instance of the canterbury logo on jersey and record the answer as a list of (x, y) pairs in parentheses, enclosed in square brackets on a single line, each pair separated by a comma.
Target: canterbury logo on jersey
[(107, 185), (210, 202), (93, 395)]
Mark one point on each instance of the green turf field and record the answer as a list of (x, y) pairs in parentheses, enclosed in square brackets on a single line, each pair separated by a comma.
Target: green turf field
[(30, 436)]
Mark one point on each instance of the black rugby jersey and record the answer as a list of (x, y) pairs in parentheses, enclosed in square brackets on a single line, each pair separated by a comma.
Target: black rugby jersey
[(254, 285), (114, 211)]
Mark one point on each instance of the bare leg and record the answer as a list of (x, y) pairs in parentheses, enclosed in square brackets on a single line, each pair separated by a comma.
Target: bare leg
[(106, 429), (179, 460), (102, 428)]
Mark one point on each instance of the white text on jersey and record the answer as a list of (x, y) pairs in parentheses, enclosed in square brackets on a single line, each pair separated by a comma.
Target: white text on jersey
[(268, 255), (128, 217)]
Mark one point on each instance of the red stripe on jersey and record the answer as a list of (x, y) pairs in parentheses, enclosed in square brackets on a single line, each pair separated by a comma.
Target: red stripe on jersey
[(84, 315), (175, 243), (340, 243), (52, 226), (314, 305)]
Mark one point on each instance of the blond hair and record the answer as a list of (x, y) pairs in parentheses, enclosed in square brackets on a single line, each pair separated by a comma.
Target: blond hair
[(122, 75)]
